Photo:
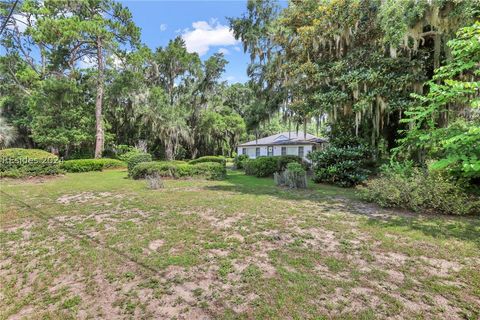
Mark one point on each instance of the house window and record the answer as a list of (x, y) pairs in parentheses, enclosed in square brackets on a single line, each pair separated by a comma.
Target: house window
[(270, 151), (257, 152), (284, 151), (300, 152), (244, 150)]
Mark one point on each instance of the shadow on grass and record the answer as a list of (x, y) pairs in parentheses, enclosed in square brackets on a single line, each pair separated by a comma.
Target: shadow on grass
[(436, 226), (439, 227)]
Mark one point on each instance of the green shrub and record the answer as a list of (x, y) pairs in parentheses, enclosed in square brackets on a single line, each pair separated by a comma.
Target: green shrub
[(126, 153), (86, 165), (135, 159), (343, 166), (210, 170), (418, 190), (283, 161), (267, 166), (171, 169), (218, 159), (238, 161), (17, 162)]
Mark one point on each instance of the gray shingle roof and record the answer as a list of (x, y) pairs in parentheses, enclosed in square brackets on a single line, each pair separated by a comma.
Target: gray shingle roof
[(285, 138)]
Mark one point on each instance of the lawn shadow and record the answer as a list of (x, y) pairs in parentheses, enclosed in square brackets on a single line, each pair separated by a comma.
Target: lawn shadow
[(436, 226)]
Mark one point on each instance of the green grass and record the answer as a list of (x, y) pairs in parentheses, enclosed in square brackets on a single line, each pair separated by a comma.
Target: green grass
[(100, 245)]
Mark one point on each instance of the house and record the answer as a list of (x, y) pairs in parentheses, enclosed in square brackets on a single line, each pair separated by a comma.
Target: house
[(285, 143)]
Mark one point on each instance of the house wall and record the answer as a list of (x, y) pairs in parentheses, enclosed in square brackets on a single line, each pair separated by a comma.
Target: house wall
[(277, 150)]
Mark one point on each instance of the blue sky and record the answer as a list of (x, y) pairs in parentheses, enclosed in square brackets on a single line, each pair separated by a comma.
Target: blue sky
[(202, 24)]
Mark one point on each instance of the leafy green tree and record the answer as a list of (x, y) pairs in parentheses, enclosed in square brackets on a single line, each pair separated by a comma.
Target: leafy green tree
[(62, 116), (445, 124)]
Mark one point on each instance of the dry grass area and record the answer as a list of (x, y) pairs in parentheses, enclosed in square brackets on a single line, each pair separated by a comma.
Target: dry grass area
[(98, 245)]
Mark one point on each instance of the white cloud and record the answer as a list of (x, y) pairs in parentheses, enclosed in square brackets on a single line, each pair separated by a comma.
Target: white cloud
[(207, 34), (225, 51), (163, 27), (237, 48)]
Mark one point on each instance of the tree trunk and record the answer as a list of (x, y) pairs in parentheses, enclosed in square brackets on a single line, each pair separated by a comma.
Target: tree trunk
[(99, 137)]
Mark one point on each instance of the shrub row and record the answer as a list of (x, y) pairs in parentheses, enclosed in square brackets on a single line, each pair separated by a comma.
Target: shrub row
[(419, 190), (17, 162), (267, 166), (86, 165), (172, 169), (217, 159)]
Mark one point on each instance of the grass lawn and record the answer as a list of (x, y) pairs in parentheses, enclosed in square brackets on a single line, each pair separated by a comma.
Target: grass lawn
[(98, 245)]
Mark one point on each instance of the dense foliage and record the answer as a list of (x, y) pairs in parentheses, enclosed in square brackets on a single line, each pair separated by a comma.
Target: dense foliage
[(86, 165), (238, 161), (417, 189), (17, 162), (221, 160), (267, 166), (175, 169), (137, 158), (445, 123), (343, 166)]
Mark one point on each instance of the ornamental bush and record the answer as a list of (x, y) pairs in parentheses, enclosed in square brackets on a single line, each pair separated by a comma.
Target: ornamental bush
[(135, 159), (238, 161), (210, 170), (343, 166), (218, 159), (267, 166), (86, 165), (18, 162), (172, 169), (419, 190)]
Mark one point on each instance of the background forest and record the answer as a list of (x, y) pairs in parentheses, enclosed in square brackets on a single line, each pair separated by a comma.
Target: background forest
[(392, 82)]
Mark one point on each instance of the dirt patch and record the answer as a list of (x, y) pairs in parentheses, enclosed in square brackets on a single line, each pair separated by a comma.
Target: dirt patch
[(85, 197), (155, 244)]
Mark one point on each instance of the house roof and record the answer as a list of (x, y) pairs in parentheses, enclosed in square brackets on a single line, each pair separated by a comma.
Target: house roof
[(285, 138)]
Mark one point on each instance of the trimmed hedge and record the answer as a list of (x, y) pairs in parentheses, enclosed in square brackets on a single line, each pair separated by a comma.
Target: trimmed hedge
[(136, 159), (218, 159), (267, 166), (171, 169), (18, 162), (86, 165)]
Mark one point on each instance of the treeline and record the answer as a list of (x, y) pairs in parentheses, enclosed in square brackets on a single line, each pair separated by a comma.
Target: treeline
[(76, 80)]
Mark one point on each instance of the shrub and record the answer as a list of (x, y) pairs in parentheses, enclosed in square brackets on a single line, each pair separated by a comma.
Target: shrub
[(238, 161), (86, 165), (294, 176), (135, 159), (17, 162), (344, 166), (267, 166), (126, 154), (218, 159), (261, 167), (283, 161), (419, 190), (208, 170)]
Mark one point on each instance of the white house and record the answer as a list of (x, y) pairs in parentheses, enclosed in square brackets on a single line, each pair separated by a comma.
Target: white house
[(285, 143)]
